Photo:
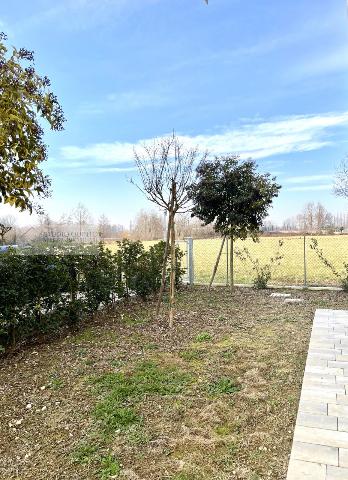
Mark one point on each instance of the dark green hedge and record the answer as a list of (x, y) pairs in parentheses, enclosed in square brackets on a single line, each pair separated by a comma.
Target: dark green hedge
[(44, 288)]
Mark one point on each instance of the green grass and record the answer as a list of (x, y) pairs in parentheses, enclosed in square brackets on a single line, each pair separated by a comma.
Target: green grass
[(55, 382), (203, 337), (289, 272), (184, 476), (223, 385), (223, 430), (84, 453), (190, 355), (122, 391), (110, 467)]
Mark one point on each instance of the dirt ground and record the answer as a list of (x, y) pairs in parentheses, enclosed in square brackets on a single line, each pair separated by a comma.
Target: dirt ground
[(215, 398)]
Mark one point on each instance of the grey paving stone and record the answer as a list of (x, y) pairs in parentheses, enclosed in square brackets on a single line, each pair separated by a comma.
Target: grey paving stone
[(320, 444), (310, 452), (294, 300), (335, 364), (322, 378), (334, 351), (335, 473), (317, 421), (312, 407), (314, 394), (317, 362), (299, 469), (320, 436), (322, 356), (342, 399), (342, 379), (324, 370), (343, 457), (319, 386), (338, 410), (342, 424)]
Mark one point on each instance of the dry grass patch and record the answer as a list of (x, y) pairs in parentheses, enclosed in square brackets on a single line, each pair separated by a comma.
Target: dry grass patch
[(214, 399)]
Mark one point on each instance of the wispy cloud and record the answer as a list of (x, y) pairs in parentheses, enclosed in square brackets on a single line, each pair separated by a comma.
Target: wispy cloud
[(100, 153), (310, 188), (126, 101), (82, 14), (100, 170), (309, 28), (256, 139), (326, 63), (309, 178)]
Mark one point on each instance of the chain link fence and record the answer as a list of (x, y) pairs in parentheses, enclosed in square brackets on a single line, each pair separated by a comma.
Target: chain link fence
[(299, 264)]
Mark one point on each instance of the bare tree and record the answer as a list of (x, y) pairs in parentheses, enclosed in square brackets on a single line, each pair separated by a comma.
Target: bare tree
[(104, 227), (147, 226), (165, 168), (46, 226), (81, 216), (7, 223), (341, 179)]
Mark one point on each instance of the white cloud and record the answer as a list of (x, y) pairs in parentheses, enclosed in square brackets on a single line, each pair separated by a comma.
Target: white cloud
[(308, 178), (101, 153), (97, 170), (256, 139), (309, 188)]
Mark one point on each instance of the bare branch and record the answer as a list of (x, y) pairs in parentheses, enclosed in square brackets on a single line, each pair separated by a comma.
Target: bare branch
[(341, 179)]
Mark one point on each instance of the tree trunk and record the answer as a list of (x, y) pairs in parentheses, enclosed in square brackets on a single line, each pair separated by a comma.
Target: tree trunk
[(172, 273), (172, 257), (231, 263), (217, 262), (164, 266)]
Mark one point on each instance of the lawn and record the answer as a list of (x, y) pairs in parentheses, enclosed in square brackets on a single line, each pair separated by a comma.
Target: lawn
[(124, 397), (291, 268)]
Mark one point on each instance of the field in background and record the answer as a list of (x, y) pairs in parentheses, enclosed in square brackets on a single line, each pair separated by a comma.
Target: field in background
[(289, 272)]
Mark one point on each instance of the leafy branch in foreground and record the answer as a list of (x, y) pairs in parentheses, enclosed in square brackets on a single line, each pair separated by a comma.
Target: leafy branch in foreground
[(263, 272), (343, 279), (25, 99)]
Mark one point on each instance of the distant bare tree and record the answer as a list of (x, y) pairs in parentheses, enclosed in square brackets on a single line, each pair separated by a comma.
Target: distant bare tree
[(46, 225), (341, 179), (7, 223), (66, 218), (165, 168), (147, 226), (313, 218), (81, 216), (104, 227)]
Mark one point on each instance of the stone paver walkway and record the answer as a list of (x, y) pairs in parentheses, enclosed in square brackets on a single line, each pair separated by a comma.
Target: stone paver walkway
[(320, 446)]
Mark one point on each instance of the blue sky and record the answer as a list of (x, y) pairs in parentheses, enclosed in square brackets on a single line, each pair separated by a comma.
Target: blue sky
[(263, 78)]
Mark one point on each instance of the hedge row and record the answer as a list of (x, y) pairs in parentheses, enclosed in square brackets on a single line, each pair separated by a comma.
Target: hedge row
[(43, 289)]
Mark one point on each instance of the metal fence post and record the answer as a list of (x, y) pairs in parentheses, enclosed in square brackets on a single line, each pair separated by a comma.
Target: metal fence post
[(304, 262), (190, 264)]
